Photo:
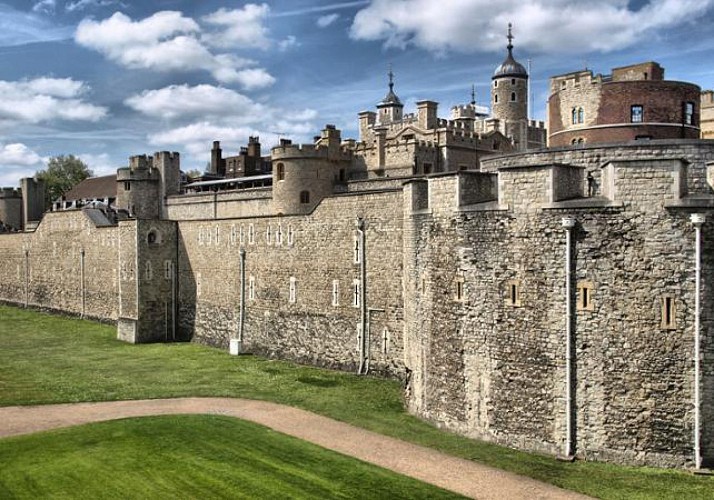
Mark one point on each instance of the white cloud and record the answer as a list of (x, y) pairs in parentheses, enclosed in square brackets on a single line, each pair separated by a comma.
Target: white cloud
[(18, 154), (571, 25), (20, 28), (44, 6), (239, 27), (326, 20), (287, 43), (44, 100), (181, 101), (165, 41), (99, 164), (79, 5), (205, 113)]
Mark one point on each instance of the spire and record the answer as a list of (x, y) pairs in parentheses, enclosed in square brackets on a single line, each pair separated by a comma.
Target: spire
[(391, 98), (510, 38), (473, 95)]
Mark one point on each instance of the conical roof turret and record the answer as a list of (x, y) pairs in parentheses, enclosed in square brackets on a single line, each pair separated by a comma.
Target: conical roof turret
[(391, 99), (510, 67)]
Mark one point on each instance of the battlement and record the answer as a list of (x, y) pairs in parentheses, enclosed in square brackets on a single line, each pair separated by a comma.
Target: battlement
[(140, 162), (536, 124), (173, 156), (8, 192)]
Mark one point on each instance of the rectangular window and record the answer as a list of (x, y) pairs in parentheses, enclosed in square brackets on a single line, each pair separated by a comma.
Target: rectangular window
[(427, 168), (669, 313), (279, 235), (251, 288), (234, 235), (293, 290), (127, 186), (241, 235), (636, 114), (585, 296), (357, 250), (251, 234), (385, 341), (291, 236), (689, 113), (356, 293), (167, 269), (459, 289), (513, 293), (268, 235), (217, 232), (335, 293)]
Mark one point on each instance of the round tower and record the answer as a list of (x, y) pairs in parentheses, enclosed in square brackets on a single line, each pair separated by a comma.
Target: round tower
[(509, 90)]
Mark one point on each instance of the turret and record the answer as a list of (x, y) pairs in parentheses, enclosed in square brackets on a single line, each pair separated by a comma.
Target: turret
[(33, 201), (218, 165), (390, 108), (509, 96)]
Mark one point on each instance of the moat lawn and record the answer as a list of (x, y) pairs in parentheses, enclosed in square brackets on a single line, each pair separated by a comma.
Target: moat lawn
[(50, 359), (189, 456)]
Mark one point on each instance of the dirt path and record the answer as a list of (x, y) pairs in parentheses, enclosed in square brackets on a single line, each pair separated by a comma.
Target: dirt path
[(462, 476)]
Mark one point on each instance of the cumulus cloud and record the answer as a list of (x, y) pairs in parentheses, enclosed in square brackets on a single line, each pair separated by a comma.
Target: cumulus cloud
[(166, 41), (44, 100), (181, 101), (18, 154), (203, 113), (326, 20), (570, 25), (239, 27)]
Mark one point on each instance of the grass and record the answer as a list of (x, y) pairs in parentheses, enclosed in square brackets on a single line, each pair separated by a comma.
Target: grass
[(190, 456), (49, 359)]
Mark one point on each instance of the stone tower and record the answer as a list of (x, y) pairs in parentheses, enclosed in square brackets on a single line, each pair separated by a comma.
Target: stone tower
[(509, 97), (390, 108)]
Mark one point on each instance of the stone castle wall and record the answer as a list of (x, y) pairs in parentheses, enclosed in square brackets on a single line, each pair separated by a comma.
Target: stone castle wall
[(314, 252), (46, 268), (490, 363)]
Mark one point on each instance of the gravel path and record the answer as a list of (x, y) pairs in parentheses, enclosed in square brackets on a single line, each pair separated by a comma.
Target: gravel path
[(462, 476)]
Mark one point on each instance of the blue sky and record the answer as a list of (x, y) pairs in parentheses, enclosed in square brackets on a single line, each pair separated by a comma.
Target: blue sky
[(107, 79)]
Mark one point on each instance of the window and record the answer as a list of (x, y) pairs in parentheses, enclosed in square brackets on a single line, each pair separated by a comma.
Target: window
[(513, 293), (168, 269), (356, 293), (669, 313), (251, 287), (427, 168), (268, 235), (495, 83), (279, 235), (251, 234), (151, 237), (459, 289), (335, 293), (357, 253), (241, 235), (217, 232), (513, 97), (636, 114), (234, 235), (513, 81), (689, 113), (304, 197), (578, 115), (385, 341), (280, 171), (495, 98), (148, 271), (581, 115), (291, 236), (585, 296), (293, 290), (127, 186)]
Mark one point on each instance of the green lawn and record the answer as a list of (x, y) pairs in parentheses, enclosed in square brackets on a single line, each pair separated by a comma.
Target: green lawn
[(48, 359), (189, 456)]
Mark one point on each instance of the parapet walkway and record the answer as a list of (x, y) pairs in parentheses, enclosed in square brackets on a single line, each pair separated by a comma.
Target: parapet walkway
[(462, 476)]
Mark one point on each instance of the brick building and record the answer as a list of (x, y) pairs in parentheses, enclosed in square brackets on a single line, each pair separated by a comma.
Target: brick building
[(633, 103)]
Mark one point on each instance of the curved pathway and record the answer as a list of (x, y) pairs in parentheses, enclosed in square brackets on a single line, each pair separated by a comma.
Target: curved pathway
[(462, 476)]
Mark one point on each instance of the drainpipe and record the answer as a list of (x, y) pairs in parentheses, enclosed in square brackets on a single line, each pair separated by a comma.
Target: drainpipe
[(697, 221), (568, 224), (27, 278), (81, 277), (174, 271), (364, 340), (236, 344)]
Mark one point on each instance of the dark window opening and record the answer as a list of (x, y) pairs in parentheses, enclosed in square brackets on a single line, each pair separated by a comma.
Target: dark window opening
[(127, 186), (304, 196), (280, 172)]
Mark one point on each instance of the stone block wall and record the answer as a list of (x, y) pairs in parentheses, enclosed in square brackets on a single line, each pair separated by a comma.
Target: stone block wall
[(54, 274), (313, 252)]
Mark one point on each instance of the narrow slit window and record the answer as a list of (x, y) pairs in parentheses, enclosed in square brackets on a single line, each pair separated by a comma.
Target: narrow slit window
[(459, 289), (513, 293), (669, 313), (167, 270), (585, 296), (251, 288), (335, 293), (356, 293), (293, 290), (357, 257), (251, 234)]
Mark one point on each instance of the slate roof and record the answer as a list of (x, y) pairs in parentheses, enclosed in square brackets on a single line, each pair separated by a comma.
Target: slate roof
[(94, 187)]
